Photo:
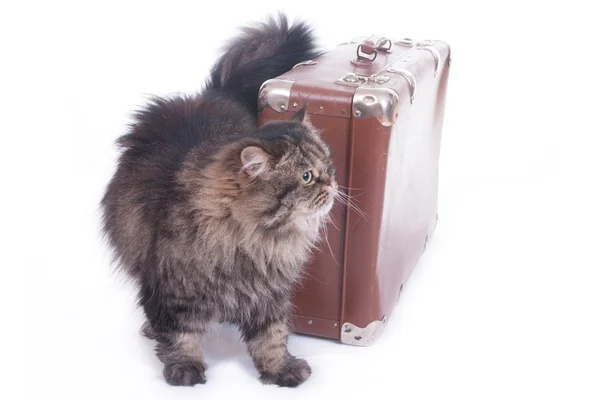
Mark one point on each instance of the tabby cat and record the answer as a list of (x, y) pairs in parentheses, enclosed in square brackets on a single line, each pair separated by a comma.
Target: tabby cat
[(214, 218)]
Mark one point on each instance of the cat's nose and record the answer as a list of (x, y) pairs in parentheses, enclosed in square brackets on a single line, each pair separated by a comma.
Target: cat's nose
[(332, 183)]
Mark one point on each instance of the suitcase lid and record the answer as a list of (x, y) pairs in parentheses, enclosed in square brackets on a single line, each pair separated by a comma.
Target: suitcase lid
[(368, 77)]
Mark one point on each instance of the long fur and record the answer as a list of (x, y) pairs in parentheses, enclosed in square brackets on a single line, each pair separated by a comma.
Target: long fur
[(264, 50), (208, 234)]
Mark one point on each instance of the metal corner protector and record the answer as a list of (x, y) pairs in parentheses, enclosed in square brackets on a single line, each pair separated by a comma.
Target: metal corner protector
[(380, 103), (357, 336), (275, 94)]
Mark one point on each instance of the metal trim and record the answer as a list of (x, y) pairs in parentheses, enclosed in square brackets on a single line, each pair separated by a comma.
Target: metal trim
[(410, 78), (405, 42), (275, 94), (428, 46), (380, 103), (352, 79), (380, 79), (356, 336), (384, 44), (362, 62), (355, 80), (303, 63), (425, 43)]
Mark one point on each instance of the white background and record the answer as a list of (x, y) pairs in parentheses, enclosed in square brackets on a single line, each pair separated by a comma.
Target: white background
[(505, 303)]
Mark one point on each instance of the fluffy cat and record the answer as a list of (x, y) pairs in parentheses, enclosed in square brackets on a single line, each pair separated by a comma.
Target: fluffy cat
[(214, 218)]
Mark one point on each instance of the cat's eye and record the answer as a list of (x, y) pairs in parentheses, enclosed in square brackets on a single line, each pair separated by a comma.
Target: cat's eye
[(307, 177)]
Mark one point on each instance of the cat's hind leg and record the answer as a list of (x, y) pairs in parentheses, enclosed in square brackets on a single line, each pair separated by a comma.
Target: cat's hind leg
[(178, 332)]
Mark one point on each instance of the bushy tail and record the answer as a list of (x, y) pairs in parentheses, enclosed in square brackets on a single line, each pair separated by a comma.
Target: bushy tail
[(263, 51)]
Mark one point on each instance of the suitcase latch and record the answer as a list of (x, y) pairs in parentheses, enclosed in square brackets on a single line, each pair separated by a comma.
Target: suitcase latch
[(352, 79)]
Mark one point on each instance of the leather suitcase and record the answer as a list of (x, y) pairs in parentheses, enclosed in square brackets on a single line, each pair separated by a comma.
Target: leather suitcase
[(380, 105)]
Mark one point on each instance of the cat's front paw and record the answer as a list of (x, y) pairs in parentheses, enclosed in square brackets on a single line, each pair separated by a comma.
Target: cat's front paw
[(184, 374), (293, 373)]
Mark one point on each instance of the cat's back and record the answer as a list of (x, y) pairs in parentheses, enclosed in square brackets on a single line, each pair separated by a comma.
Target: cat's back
[(144, 186), (182, 122)]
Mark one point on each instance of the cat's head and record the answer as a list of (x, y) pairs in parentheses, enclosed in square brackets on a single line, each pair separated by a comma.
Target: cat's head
[(286, 173)]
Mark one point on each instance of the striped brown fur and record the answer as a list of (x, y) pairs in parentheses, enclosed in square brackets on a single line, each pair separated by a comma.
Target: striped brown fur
[(210, 217)]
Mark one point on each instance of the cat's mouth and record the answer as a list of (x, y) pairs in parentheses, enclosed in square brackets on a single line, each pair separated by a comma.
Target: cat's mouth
[(327, 203)]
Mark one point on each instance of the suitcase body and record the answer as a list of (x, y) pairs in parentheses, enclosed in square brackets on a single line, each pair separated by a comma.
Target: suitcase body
[(379, 104)]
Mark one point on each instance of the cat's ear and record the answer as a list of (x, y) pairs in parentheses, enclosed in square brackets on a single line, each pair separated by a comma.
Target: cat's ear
[(301, 116), (255, 161)]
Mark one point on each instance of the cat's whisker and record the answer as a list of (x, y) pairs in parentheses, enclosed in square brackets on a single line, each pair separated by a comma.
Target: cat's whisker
[(348, 188), (352, 196), (359, 211), (342, 200), (344, 196), (339, 195), (323, 227), (332, 222), (348, 202), (331, 251), (308, 274)]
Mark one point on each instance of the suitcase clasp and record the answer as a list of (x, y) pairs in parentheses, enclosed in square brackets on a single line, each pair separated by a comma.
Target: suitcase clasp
[(352, 79)]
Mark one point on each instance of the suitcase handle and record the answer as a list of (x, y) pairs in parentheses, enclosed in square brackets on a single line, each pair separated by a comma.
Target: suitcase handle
[(366, 52)]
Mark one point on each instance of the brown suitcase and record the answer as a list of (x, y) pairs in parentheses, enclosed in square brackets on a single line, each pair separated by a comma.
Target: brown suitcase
[(380, 105)]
